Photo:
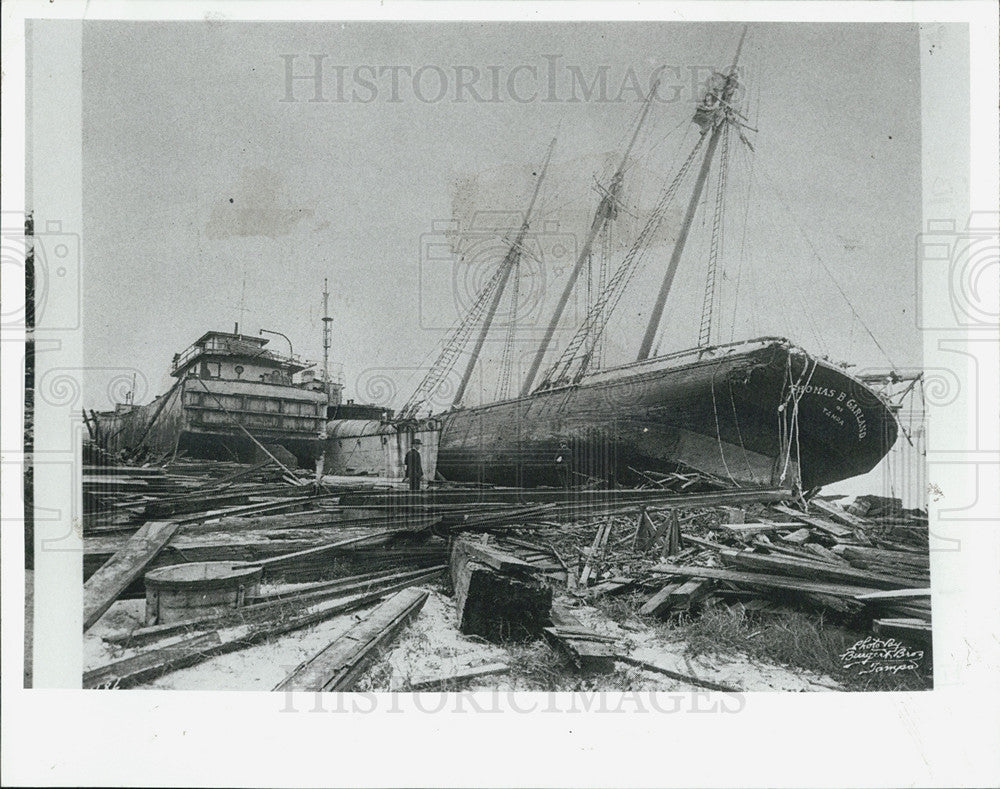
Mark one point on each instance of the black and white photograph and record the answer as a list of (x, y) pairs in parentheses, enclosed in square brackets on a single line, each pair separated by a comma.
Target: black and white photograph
[(522, 361)]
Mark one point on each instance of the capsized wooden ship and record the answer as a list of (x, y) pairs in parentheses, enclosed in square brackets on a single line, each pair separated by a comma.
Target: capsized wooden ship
[(762, 412)]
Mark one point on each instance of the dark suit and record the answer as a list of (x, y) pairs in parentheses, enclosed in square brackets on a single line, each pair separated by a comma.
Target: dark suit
[(414, 468)]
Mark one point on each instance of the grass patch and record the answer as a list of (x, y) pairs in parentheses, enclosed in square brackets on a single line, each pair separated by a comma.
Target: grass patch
[(795, 638)]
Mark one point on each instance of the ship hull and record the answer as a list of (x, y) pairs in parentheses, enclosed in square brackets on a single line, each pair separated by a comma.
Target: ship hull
[(758, 413), (213, 420)]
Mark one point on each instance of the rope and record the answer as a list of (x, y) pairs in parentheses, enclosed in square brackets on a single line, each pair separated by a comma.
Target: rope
[(792, 430), (507, 355), (718, 432), (718, 219), (739, 433), (453, 346), (829, 273)]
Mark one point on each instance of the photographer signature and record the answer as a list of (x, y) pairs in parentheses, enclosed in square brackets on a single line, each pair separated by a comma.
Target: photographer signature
[(881, 655)]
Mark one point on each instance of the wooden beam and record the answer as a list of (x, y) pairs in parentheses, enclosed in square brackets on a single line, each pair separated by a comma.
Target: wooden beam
[(659, 603), (152, 664), (823, 524), (497, 606), (493, 557), (769, 581), (894, 594), (277, 606), (815, 570), (837, 514), (447, 680), (697, 681), (588, 650), (124, 567), (341, 662)]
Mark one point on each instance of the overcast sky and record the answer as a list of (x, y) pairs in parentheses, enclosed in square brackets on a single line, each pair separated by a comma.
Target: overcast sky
[(199, 173)]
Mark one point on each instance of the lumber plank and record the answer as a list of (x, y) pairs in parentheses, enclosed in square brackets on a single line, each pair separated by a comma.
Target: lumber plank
[(152, 664), (691, 680), (785, 582), (220, 642), (338, 665), (894, 594), (837, 514), (496, 558), (660, 602), (756, 528), (311, 553), (823, 524), (689, 593), (816, 570), (588, 650), (445, 680), (276, 606), (124, 567)]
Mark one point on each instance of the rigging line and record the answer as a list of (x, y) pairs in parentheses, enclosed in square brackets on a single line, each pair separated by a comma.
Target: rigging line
[(829, 273), (640, 249), (802, 302), (623, 274), (659, 141), (695, 251), (718, 431), (715, 249), (739, 433), (796, 431), (507, 355), (452, 349)]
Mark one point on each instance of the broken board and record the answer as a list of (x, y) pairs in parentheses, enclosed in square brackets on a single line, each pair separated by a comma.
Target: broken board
[(124, 567)]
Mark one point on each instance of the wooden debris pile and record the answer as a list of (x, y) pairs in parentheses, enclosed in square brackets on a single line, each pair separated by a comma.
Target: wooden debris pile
[(516, 559), (331, 559), (677, 559)]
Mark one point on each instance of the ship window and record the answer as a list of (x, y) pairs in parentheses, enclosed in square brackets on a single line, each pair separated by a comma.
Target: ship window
[(212, 370)]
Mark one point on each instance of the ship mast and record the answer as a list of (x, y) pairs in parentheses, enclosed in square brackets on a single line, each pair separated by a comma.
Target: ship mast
[(714, 115), (607, 210), (510, 261)]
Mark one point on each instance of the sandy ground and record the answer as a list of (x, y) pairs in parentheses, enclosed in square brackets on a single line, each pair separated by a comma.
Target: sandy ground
[(432, 645)]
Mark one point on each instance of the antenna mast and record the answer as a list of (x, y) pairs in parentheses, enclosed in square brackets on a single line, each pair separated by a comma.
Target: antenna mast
[(327, 337)]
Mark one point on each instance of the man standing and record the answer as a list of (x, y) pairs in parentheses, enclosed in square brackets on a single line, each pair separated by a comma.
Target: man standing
[(414, 468)]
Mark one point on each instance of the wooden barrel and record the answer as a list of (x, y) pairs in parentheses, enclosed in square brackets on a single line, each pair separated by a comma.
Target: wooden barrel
[(198, 589)]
